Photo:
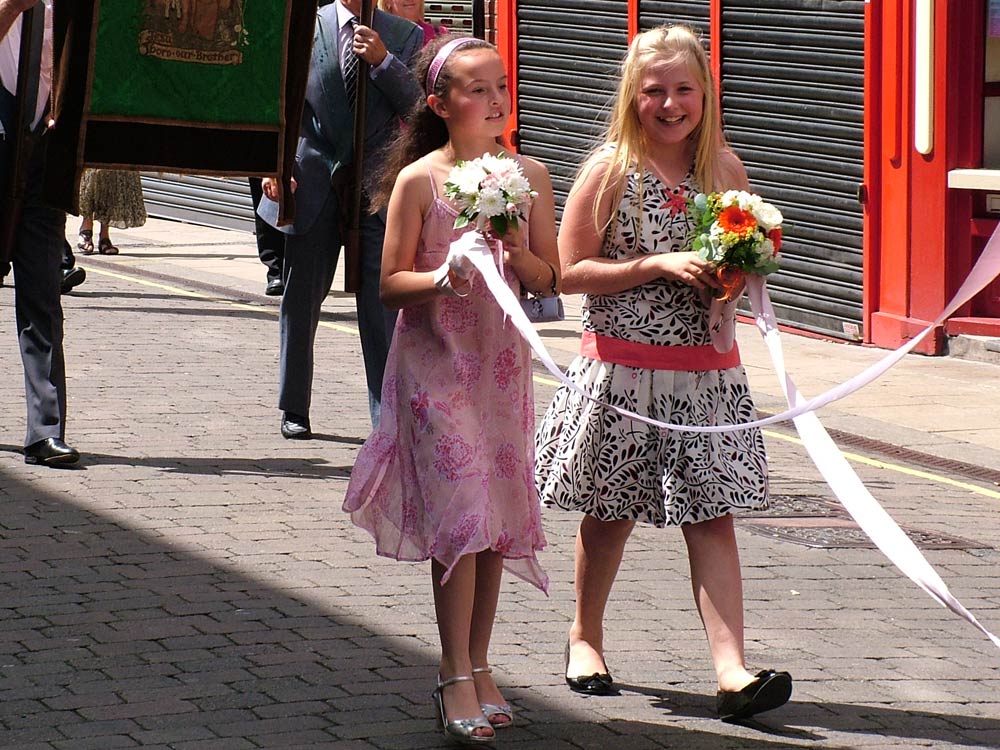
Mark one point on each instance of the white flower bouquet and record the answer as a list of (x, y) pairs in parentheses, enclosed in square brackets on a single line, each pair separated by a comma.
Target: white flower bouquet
[(489, 191)]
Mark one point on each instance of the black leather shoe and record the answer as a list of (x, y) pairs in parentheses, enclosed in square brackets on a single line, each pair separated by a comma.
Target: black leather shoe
[(295, 426), (599, 683), (274, 288), (50, 452), (770, 690), (72, 277)]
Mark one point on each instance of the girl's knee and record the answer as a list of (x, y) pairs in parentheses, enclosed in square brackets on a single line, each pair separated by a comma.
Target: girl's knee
[(720, 527), (618, 531)]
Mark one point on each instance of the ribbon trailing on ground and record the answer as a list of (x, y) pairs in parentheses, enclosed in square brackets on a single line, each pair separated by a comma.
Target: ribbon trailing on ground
[(844, 481), (848, 488)]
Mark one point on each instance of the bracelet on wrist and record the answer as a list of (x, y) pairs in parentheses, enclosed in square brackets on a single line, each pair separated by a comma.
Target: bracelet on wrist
[(551, 291), (442, 282)]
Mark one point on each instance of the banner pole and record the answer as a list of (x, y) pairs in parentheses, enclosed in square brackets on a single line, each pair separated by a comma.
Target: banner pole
[(352, 236)]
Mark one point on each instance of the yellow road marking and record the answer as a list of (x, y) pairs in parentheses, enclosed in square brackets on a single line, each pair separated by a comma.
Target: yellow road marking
[(929, 476), (542, 380), (197, 295)]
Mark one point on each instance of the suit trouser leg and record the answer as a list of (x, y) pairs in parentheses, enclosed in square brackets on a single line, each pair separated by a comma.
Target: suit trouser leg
[(310, 262), (375, 322), (38, 310)]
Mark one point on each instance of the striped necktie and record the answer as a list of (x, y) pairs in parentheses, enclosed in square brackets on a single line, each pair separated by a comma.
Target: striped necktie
[(349, 66)]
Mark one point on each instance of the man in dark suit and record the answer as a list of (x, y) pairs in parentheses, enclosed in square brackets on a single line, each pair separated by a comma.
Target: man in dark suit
[(325, 153), (36, 258)]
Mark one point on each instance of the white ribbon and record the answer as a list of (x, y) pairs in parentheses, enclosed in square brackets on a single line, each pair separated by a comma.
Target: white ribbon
[(985, 270), (842, 479)]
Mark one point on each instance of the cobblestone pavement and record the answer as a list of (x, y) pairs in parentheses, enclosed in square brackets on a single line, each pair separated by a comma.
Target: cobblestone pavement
[(194, 585)]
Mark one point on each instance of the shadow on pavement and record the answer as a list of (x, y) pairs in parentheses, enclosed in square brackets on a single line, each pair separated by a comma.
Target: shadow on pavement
[(267, 311), (112, 637), (215, 466)]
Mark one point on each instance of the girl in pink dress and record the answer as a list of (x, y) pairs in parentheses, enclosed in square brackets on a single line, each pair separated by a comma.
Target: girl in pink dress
[(448, 473)]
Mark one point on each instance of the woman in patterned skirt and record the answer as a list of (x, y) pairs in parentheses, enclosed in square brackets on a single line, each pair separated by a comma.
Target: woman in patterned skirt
[(114, 199), (647, 347)]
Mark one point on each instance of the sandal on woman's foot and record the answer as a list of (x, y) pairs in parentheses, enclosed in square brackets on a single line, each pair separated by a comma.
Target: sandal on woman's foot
[(105, 247), (461, 730), (491, 711), (86, 243)]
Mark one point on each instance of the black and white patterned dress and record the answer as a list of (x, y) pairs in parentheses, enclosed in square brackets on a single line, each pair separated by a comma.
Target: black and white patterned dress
[(591, 459)]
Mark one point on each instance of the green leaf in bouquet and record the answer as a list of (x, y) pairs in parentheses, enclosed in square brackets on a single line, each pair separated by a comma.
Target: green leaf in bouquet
[(461, 221), (769, 267), (499, 224)]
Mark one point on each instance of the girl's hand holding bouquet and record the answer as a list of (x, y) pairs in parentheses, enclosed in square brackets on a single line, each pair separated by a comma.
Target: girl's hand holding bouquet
[(738, 233)]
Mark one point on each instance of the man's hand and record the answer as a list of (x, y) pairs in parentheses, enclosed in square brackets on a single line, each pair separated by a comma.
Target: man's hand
[(368, 45), (269, 186)]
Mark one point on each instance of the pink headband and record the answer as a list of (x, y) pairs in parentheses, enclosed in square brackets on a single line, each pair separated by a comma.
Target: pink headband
[(442, 57)]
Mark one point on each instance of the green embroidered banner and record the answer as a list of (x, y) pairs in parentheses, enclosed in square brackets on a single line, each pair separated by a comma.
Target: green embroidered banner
[(189, 60), (192, 86)]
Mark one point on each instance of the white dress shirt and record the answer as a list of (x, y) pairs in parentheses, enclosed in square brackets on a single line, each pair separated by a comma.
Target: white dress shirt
[(10, 48)]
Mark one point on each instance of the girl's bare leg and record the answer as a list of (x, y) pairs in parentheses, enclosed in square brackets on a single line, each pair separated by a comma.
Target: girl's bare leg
[(599, 548), (489, 570), (718, 591), (453, 604)]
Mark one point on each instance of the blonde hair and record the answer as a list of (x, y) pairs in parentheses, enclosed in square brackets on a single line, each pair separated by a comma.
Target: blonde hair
[(624, 137)]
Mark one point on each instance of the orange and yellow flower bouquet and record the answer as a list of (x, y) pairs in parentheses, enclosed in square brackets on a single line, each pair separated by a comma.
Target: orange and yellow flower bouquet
[(739, 233)]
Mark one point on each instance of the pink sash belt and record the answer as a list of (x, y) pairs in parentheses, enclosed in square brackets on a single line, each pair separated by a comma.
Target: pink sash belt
[(656, 357)]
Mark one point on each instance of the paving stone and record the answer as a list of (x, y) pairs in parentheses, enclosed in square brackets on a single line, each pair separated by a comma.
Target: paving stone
[(195, 585)]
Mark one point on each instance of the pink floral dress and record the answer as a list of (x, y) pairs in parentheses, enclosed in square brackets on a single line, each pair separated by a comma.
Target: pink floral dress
[(449, 471)]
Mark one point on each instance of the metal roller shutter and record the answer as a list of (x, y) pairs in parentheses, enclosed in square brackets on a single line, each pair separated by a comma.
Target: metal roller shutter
[(567, 60), (457, 16), (793, 107), (210, 201), (694, 13)]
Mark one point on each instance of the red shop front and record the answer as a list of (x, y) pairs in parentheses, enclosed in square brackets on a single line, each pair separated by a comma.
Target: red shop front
[(874, 125), (934, 163)]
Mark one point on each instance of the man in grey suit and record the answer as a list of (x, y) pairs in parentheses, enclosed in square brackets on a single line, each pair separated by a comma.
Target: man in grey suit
[(36, 256), (325, 153)]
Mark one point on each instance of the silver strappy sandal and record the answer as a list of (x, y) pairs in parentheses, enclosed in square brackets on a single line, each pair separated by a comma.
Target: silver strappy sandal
[(492, 709), (461, 730)]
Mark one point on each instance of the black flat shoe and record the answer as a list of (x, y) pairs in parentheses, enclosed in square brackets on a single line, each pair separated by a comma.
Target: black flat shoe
[(50, 452), (72, 277), (599, 683), (274, 288), (770, 690), (295, 427)]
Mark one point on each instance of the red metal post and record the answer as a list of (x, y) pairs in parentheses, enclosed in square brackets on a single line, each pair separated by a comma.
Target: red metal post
[(873, 167), (715, 41), (506, 36)]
